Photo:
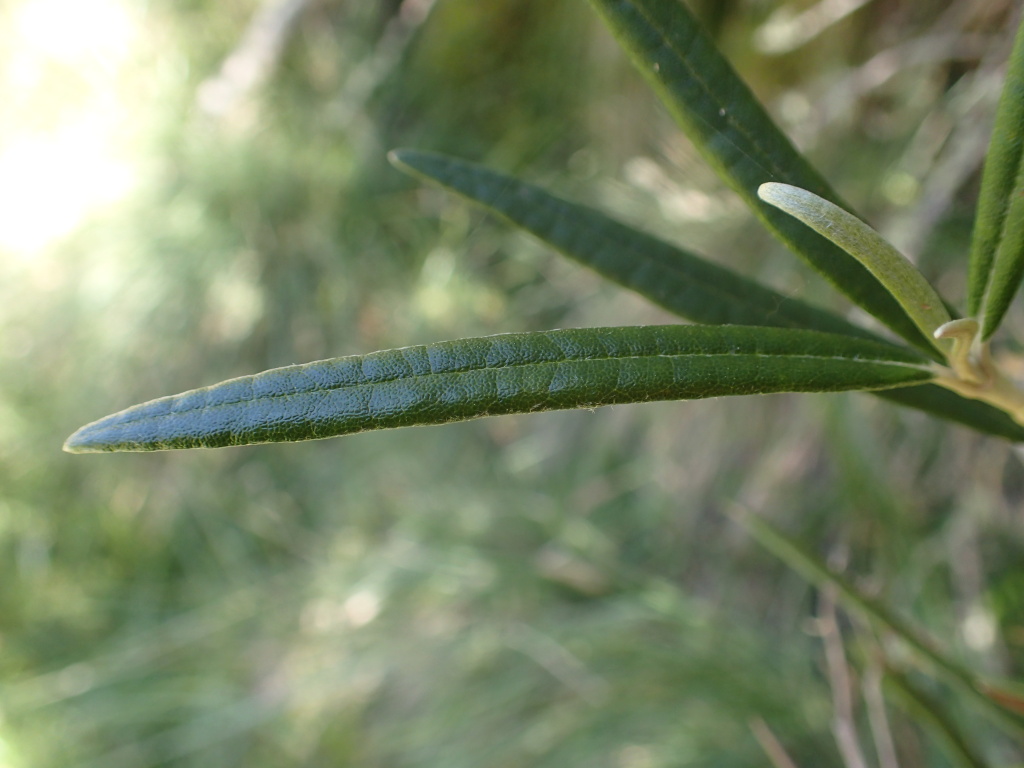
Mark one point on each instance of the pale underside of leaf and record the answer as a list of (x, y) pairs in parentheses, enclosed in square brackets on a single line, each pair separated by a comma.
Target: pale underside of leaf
[(737, 137), (509, 373), (892, 269), (997, 246), (671, 277)]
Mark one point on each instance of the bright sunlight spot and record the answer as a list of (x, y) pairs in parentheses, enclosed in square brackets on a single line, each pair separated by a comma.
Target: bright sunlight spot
[(76, 31), (49, 184), (7, 759), (62, 152)]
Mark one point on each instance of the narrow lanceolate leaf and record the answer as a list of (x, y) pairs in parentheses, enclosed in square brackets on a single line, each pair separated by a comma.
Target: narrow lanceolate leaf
[(675, 279), (946, 404), (853, 599), (997, 247), (892, 269), (510, 373), (931, 713), (738, 138)]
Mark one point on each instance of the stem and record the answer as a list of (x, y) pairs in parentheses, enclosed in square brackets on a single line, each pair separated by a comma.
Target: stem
[(973, 373)]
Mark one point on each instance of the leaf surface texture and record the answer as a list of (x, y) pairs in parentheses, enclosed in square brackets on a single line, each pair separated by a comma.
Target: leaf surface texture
[(739, 140), (508, 373)]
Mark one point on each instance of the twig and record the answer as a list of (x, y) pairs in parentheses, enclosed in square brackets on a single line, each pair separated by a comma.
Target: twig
[(251, 63), (771, 745), (878, 719), (844, 727)]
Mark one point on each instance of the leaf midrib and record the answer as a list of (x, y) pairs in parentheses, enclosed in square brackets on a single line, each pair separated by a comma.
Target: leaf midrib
[(705, 284), (724, 110), (517, 366)]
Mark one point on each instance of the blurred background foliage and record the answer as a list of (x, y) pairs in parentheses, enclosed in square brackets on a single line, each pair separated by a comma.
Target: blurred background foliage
[(193, 190)]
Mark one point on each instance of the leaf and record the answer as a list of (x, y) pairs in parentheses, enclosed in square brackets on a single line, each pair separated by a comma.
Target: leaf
[(946, 404), (739, 140), (509, 373), (928, 711), (673, 278), (1012, 700), (997, 246), (893, 270), (875, 612)]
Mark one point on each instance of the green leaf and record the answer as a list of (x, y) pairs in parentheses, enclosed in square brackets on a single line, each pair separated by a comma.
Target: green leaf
[(946, 404), (815, 571), (927, 710), (997, 247), (673, 278), (677, 280), (738, 138), (893, 270), (509, 373)]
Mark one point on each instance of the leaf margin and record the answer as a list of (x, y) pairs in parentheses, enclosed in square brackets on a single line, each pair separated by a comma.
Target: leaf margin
[(503, 374), (878, 614), (739, 140), (582, 234), (893, 270), (932, 399), (996, 262)]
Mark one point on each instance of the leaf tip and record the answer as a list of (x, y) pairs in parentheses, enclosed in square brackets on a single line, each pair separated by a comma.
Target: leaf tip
[(777, 194), (75, 443), (395, 157), (404, 159), (765, 190), (94, 437), (414, 162)]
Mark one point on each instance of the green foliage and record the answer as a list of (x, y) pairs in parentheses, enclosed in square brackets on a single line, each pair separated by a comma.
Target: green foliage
[(945, 404), (735, 133), (737, 137), (678, 280), (879, 615), (899, 277), (685, 283), (928, 710), (997, 249), (510, 373)]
